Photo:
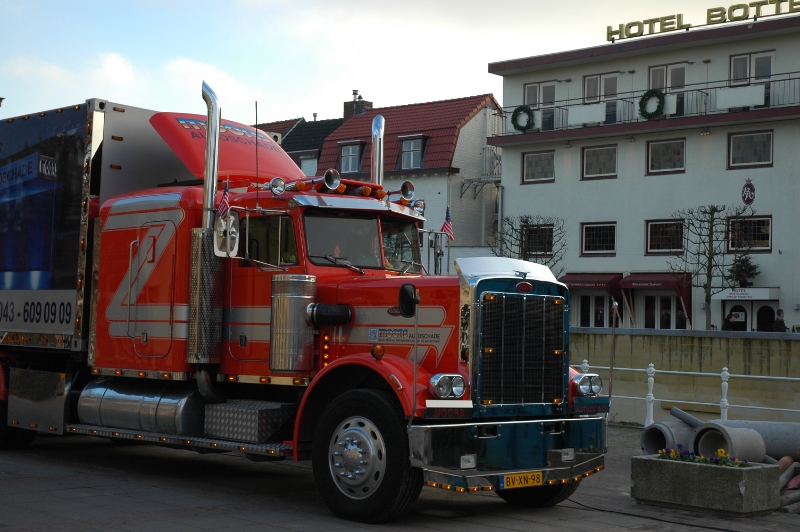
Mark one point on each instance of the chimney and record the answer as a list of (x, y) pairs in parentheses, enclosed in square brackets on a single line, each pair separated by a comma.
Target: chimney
[(358, 106), (315, 117)]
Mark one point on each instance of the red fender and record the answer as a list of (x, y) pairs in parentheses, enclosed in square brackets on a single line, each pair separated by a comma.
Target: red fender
[(388, 367)]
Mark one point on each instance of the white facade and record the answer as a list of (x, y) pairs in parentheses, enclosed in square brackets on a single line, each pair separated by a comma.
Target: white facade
[(635, 195), (472, 215)]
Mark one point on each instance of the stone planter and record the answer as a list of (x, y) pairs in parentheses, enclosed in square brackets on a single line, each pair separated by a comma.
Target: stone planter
[(741, 491)]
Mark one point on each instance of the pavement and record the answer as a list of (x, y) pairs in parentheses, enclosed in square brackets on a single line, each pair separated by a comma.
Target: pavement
[(83, 483)]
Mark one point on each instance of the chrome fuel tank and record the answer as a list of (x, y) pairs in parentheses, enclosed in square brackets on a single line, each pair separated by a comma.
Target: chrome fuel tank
[(151, 406), (291, 337)]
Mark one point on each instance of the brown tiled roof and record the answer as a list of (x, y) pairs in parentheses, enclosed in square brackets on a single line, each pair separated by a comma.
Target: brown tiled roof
[(282, 126), (440, 121)]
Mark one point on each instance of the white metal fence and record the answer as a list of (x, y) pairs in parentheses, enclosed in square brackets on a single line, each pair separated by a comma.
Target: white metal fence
[(724, 403)]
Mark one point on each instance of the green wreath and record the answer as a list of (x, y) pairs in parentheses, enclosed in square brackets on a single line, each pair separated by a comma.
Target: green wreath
[(652, 93), (515, 115)]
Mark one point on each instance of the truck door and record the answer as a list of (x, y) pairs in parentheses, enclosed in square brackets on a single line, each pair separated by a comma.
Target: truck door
[(152, 288), (266, 240)]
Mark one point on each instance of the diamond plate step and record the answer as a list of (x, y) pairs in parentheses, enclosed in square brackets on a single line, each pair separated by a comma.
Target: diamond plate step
[(249, 421)]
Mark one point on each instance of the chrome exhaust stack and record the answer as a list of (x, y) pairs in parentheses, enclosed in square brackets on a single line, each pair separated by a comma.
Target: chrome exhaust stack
[(211, 174), (205, 282), (376, 169)]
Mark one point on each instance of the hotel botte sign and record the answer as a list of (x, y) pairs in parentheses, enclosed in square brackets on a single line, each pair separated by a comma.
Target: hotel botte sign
[(714, 15)]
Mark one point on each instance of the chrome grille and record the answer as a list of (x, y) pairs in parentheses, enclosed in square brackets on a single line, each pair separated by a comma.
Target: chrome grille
[(522, 346)]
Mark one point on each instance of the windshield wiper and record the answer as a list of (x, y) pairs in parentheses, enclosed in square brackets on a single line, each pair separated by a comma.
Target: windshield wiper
[(409, 265), (339, 262)]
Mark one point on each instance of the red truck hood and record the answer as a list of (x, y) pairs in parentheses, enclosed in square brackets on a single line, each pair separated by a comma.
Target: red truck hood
[(186, 134)]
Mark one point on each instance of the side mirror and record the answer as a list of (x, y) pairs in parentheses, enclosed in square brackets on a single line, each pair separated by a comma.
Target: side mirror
[(226, 235), (408, 300)]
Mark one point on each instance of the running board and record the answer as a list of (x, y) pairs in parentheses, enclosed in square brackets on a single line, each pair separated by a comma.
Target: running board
[(277, 451)]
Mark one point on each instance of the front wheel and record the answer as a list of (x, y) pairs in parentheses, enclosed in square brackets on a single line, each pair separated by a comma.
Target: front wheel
[(361, 461), (540, 496)]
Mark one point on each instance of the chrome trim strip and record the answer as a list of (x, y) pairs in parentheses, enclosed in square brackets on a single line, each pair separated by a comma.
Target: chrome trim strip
[(329, 201), (478, 423), (597, 461)]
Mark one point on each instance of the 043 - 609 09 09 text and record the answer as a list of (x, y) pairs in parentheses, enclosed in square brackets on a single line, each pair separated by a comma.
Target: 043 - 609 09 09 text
[(36, 312)]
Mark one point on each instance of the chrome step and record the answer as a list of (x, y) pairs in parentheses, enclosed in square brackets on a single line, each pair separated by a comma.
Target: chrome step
[(274, 450)]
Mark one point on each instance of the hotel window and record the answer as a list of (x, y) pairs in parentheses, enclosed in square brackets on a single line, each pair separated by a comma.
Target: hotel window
[(751, 68), (599, 162), (600, 87), (537, 241), (594, 310), (663, 311), (349, 159), (750, 234), (540, 93), (599, 238), (666, 156), (412, 154), (539, 167), (749, 149), (665, 237), (670, 78)]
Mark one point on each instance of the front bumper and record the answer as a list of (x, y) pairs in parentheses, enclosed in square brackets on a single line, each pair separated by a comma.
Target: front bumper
[(479, 454)]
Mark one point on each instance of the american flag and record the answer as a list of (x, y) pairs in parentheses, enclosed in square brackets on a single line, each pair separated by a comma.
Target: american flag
[(222, 210), (447, 226)]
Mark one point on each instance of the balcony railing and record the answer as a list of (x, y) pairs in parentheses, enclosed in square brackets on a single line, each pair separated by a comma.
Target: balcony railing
[(492, 162), (716, 97)]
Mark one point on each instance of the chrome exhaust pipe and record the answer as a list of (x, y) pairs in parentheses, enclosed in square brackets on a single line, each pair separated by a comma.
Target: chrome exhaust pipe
[(212, 156), (376, 169)]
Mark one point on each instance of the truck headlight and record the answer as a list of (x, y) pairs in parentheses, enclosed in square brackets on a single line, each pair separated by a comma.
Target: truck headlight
[(597, 385), (447, 386), (587, 384)]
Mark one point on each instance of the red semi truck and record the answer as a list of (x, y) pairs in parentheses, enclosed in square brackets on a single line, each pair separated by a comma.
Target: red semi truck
[(176, 280)]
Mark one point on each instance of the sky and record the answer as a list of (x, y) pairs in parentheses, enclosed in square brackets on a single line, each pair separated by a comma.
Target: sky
[(294, 58)]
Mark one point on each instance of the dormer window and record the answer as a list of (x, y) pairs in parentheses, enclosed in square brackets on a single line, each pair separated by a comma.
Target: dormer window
[(412, 151), (350, 159), (412, 154)]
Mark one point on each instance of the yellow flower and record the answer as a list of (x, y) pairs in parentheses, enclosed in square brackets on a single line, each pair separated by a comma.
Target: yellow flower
[(672, 454), (721, 453)]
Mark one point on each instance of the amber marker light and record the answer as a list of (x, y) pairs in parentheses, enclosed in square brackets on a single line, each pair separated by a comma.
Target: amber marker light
[(487, 488), (118, 372), (95, 371), (232, 378), (558, 302), (341, 188), (380, 194), (142, 374), (73, 429), (432, 484), (366, 191), (378, 351), (138, 436), (557, 401), (490, 297), (565, 481), (213, 444), (115, 433), (488, 350), (166, 375), (94, 431), (264, 380), (576, 479), (297, 381), (552, 482), (459, 489), (474, 489), (486, 402), (598, 469), (187, 442), (300, 186), (162, 439), (558, 352), (445, 486), (241, 448)]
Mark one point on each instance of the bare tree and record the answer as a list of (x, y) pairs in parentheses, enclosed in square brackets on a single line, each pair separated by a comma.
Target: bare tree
[(714, 237), (536, 238)]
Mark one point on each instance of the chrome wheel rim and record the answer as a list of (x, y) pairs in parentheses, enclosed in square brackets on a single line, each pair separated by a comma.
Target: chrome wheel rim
[(357, 457)]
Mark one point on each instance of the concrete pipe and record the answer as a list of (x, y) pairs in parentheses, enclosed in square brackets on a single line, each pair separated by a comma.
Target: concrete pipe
[(782, 439), (665, 434), (686, 418), (744, 444)]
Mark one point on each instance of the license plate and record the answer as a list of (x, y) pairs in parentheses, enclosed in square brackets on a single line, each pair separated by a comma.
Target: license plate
[(521, 480)]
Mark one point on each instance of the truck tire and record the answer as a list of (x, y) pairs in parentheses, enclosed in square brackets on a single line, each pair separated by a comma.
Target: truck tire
[(361, 461), (13, 437), (538, 497)]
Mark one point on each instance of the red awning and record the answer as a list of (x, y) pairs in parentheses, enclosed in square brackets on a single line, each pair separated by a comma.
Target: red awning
[(594, 281), (680, 283)]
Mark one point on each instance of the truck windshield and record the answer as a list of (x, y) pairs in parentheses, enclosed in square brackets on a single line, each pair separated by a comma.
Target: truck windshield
[(355, 238)]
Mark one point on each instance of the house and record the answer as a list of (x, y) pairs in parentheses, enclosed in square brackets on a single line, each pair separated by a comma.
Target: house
[(617, 139), (441, 148), (304, 144), (280, 129)]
